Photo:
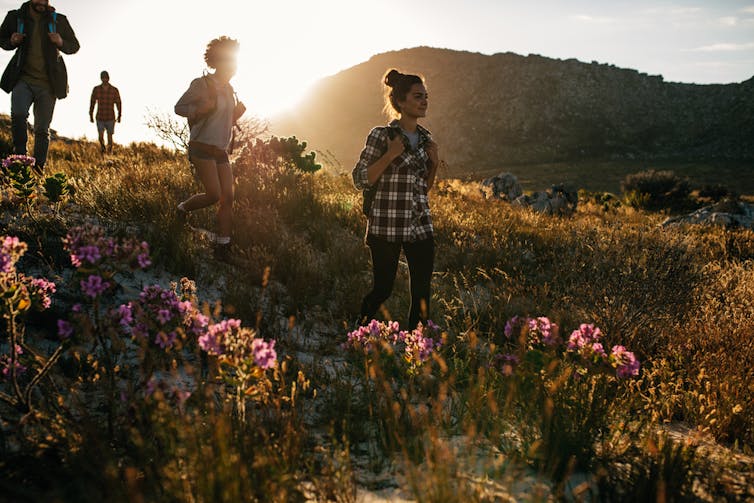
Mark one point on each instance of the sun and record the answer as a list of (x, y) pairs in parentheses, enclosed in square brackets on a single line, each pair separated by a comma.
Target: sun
[(266, 88)]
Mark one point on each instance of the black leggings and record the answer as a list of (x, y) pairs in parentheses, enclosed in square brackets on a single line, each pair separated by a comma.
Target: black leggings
[(420, 256)]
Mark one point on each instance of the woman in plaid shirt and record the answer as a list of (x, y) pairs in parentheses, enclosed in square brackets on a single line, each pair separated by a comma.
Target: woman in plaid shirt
[(398, 166)]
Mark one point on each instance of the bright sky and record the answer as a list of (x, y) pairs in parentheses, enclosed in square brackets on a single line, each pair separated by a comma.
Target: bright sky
[(154, 48)]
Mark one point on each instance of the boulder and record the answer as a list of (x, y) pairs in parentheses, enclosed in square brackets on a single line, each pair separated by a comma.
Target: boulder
[(729, 214), (559, 200), (504, 186)]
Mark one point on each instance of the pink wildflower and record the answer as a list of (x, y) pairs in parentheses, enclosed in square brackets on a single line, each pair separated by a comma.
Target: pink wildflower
[(265, 356)]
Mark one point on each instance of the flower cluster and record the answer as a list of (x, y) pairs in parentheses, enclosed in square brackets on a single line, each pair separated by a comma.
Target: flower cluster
[(18, 159), (6, 363), (624, 362), (89, 247), (535, 331), (238, 346), (40, 291), (20, 290), (370, 336), (415, 347), (160, 317), (585, 342), (94, 285), (584, 345), (11, 251)]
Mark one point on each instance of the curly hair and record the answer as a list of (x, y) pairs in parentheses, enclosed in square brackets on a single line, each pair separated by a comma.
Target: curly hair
[(217, 46)]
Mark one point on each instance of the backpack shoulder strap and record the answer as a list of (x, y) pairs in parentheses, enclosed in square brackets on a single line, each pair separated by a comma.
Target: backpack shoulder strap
[(53, 25)]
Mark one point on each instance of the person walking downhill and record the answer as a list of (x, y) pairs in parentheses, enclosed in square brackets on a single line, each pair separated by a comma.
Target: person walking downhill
[(36, 73), (107, 98), (396, 170), (212, 109)]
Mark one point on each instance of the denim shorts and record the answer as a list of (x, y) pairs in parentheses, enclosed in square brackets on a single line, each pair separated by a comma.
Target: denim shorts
[(206, 152), (108, 126)]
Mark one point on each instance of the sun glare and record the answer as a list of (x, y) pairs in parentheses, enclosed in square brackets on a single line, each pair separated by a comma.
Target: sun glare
[(267, 90), (275, 68)]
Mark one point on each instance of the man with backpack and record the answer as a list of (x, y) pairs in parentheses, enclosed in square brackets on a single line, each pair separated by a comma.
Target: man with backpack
[(36, 73)]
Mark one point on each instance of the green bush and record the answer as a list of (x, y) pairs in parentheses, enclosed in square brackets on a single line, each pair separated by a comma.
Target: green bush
[(655, 190)]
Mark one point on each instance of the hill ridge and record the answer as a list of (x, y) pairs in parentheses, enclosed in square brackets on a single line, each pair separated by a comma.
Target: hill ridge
[(488, 111)]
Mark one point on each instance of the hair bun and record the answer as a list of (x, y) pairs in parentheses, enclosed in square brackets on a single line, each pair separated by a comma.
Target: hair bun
[(392, 78)]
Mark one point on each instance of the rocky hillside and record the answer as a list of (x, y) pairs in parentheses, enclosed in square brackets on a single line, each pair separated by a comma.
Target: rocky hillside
[(488, 111)]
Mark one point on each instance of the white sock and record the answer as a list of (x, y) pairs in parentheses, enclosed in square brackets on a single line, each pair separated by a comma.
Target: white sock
[(222, 240), (182, 208)]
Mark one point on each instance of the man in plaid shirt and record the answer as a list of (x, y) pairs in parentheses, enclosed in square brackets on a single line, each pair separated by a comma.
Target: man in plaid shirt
[(107, 97)]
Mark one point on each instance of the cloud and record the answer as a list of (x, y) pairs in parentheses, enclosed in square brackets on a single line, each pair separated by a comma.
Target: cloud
[(728, 20), (748, 10), (680, 10), (686, 10), (585, 18), (724, 47)]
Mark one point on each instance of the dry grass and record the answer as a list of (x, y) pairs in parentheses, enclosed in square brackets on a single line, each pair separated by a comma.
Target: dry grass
[(682, 299)]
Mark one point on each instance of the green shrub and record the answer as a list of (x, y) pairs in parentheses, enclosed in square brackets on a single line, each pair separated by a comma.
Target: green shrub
[(655, 190)]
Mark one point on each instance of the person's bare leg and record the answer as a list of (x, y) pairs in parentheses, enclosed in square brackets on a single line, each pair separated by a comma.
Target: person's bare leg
[(102, 140), (207, 171), (225, 210), (109, 142)]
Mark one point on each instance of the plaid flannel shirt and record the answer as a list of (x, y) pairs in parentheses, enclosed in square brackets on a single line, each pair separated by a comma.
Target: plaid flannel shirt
[(106, 98), (400, 212)]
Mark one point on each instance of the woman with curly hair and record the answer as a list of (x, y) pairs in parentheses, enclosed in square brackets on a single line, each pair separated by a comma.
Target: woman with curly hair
[(211, 107), (396, 170)]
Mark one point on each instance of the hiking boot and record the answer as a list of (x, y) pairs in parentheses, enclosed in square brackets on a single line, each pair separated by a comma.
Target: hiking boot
[(222, 253)]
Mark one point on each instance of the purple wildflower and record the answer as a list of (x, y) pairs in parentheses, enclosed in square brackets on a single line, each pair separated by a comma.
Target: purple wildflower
[(165, 340), (584, 335), (5, 363), (164, 316), (65, 329), (543, 331), (125, 313), (94, 286), (143, 260), (510, 325), (22, 159), (625, 362)]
